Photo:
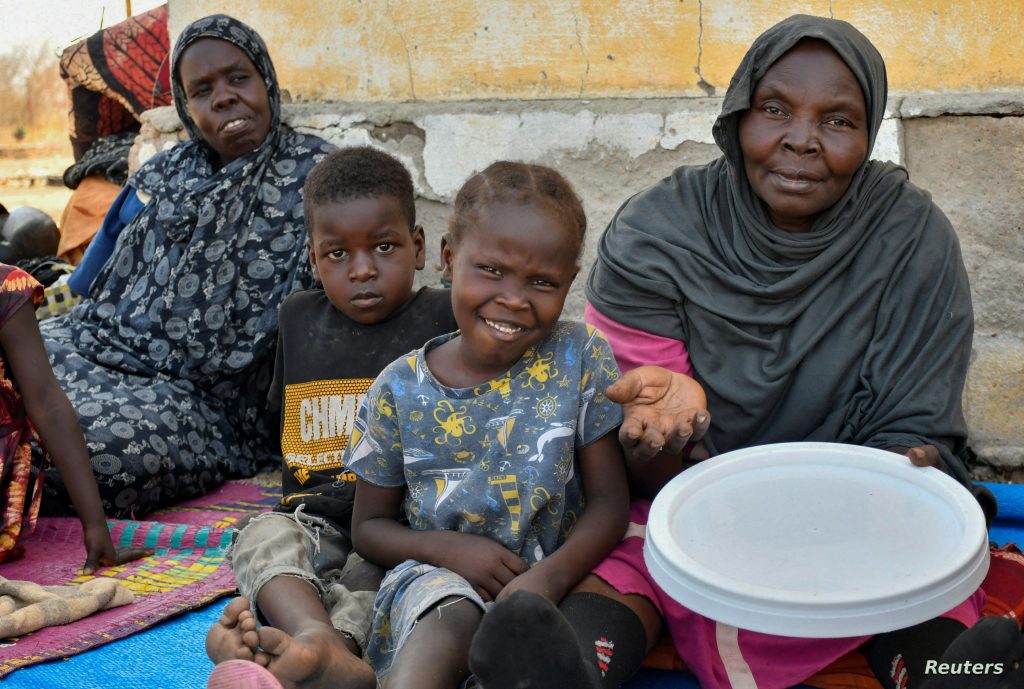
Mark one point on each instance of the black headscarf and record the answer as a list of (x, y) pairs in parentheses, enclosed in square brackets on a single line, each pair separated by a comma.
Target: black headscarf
[(856, 331)]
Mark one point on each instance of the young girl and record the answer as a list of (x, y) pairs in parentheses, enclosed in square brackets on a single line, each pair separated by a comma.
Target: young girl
[(32, 405), (489, 440)]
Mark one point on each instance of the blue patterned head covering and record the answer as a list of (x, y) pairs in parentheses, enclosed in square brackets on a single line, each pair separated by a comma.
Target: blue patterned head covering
[(228, 29), (259, 188), (193, 286)]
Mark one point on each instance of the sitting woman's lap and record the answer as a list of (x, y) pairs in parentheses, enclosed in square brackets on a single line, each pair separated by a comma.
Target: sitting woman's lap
[(153, 440), (715, 652)]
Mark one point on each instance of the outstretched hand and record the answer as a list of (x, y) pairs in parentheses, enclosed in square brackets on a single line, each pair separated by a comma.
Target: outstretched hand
[(662, 411), (100, 550)]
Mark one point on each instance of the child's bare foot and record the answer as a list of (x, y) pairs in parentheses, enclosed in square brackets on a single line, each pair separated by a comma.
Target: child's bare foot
[(317, 658), (233, 636)]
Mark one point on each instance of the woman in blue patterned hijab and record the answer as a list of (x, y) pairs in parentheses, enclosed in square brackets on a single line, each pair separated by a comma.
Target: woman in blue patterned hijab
[(168, 358)]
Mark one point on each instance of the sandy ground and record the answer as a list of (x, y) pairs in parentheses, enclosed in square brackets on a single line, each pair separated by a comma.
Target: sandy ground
[(24, 177)]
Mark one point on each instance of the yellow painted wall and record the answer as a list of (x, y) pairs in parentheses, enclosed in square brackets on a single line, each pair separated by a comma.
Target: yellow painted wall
[(451, 50)]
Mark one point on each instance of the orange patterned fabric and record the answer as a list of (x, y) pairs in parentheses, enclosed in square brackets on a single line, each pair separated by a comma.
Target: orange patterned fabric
[(1004, 589), (19, 492), (114, 75)]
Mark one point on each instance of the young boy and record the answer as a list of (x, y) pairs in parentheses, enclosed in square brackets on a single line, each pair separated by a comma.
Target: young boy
[(296, 563)]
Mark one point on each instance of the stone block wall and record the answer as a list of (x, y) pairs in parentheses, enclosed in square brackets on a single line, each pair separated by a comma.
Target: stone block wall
[(974, 167)]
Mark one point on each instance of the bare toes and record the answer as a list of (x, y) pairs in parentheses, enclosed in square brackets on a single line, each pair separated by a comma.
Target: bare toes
[(247, 623), (251, 640), (224, 639), (233, 611), (273, 640)]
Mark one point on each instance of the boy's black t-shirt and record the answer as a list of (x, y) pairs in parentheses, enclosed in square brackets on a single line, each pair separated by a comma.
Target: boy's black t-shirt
[(324, 366)]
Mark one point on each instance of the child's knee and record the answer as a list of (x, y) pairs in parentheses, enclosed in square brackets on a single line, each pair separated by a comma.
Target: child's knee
[(455, 609), (272, 544)]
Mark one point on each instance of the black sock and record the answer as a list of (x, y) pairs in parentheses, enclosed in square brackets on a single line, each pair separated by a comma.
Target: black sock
[(610, 635), (898, 658), (989, 655), (524, 642)]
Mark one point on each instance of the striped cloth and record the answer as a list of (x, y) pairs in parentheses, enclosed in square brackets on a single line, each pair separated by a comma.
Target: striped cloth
[(187, 570)]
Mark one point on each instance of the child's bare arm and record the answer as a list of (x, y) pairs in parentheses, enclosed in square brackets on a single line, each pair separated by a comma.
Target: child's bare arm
[(54, 419), (379, 537), (600, 527)]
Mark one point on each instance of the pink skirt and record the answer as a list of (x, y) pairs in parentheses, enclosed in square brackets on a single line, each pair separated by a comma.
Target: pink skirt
[(723, 656)]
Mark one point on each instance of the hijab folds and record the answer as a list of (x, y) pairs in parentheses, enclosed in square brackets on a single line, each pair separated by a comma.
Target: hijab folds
[(856, 331), (189, 296), (194, 282)]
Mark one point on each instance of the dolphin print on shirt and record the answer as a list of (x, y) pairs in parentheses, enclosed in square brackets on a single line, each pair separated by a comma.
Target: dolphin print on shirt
[(558, 430)]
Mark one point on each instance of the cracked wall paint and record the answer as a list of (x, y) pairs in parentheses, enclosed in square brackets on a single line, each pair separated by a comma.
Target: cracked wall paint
[(701, 81), (582, 48), (458, 145), (405, 48), (459, 50), (455, 145)]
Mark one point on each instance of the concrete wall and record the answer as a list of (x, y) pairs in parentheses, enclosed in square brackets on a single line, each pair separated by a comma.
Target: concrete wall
[(451, 50), (616, 93), (974, 167)]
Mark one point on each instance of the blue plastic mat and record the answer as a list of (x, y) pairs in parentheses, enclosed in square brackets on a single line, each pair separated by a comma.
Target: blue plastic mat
[(168, 656), (1009, 524), (171, 655)]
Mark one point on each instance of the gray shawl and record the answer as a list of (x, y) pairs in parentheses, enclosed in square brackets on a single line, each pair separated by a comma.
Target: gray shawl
[(856, 331)]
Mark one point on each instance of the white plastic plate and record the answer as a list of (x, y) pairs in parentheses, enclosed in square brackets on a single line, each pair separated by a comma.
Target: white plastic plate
[(816, 540)]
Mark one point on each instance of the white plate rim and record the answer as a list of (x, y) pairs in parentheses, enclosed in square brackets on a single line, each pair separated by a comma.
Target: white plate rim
[(763, 609)]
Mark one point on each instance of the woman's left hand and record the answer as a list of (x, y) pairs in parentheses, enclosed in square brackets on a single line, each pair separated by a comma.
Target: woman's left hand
[(100, 550), (920, 456)]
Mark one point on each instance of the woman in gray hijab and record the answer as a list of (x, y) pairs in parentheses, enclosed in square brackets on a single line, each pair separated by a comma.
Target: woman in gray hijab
[(812, 294)]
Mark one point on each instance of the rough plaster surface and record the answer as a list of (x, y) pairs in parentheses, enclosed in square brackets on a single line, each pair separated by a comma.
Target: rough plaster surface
[(458, 141), (993, 401), (465, 50), (611, 149), (974, 168)]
